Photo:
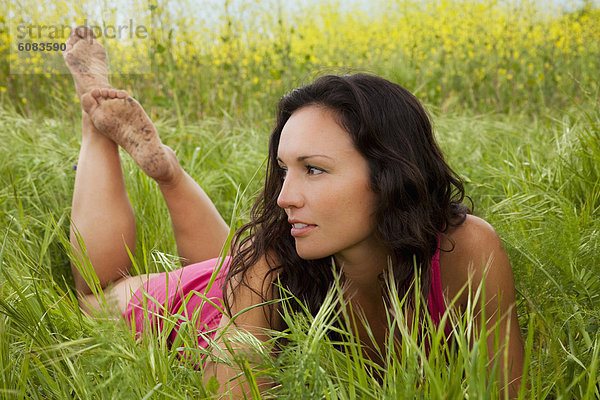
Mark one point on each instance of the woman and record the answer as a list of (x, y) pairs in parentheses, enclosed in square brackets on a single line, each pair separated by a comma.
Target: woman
[(354, 177)]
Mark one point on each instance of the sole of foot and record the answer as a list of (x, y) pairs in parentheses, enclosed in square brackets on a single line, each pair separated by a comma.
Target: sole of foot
[(122, 119), (87, 61)]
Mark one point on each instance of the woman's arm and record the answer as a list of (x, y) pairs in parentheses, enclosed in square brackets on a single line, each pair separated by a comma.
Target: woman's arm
[(500, 307), (478, 247), (253, 321)]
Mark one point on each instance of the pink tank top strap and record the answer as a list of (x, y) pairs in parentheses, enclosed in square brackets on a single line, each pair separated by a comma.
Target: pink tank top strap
[(435, 301)]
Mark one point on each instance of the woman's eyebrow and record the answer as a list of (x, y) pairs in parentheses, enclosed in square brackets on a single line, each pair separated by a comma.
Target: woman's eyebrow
[(302, 158)]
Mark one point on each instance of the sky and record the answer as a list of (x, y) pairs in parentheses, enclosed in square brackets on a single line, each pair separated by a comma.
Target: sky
[(209, 10)]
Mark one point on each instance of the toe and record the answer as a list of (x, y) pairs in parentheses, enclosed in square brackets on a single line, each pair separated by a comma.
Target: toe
[(85, 32), (96, 92), (121, 94), (73, 38), (104, 92), (68, 47), (89, 102)]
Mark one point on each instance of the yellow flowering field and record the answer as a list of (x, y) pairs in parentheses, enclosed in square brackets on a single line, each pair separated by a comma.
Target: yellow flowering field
[(230, 56)]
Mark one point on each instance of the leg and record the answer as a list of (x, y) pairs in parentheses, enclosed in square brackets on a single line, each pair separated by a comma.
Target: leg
[(102, 215), (101, 212), (199, 229)]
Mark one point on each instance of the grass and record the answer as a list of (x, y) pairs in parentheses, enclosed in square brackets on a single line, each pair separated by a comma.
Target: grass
[(534, 180), (527, 146)]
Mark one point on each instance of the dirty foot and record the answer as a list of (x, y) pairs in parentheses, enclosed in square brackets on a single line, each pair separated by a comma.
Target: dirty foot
[(87, 61), (122, 119)]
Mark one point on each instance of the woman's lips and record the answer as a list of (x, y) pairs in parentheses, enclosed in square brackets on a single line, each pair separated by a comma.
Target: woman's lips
[(297, 232)]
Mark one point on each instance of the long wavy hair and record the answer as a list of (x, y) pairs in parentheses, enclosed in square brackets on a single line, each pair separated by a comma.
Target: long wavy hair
[(419, 195)]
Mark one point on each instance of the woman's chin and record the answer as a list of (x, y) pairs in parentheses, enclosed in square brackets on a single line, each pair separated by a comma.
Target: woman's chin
[(311, 254)]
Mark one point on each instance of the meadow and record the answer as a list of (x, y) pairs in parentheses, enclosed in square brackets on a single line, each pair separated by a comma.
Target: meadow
[(513, 90)]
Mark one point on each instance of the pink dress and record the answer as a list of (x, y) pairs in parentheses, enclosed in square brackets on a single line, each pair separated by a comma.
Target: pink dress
[(186, 291)]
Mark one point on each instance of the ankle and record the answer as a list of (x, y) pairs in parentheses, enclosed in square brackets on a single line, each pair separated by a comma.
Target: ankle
[(89, 132), (170, 180), (175, 173)]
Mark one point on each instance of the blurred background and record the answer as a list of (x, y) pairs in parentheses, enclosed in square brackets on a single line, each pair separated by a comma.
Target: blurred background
[(206, 57)]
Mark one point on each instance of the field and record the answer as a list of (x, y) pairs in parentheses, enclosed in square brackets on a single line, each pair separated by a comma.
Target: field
[(513, 90)]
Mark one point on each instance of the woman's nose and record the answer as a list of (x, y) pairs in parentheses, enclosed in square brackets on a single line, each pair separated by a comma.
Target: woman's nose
[(290, 195)]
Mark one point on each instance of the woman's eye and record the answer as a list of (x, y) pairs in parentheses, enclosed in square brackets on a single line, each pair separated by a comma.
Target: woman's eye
[(310, 170), (315, 170), (283, 172)]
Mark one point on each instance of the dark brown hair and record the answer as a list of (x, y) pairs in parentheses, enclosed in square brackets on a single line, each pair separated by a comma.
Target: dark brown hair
[(419, 195)]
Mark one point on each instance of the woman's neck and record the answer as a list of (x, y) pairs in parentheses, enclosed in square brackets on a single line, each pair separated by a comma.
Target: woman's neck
[(362, 268)]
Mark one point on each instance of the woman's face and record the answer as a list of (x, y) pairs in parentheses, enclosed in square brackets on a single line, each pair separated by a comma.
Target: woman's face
[(326, 186)]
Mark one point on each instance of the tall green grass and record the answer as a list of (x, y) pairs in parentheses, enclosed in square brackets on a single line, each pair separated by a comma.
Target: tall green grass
[(534, 179)]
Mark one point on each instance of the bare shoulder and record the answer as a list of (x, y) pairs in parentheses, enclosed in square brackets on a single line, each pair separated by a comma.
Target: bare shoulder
[(479, 255), (246, 297), (477, 252), (259, 273)]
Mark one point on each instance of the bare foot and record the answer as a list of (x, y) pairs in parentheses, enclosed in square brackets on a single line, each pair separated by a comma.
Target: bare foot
[(122, 119), (86, 60)]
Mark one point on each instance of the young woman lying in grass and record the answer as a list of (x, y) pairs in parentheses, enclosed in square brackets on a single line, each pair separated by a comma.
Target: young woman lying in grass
[(354, 179)]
